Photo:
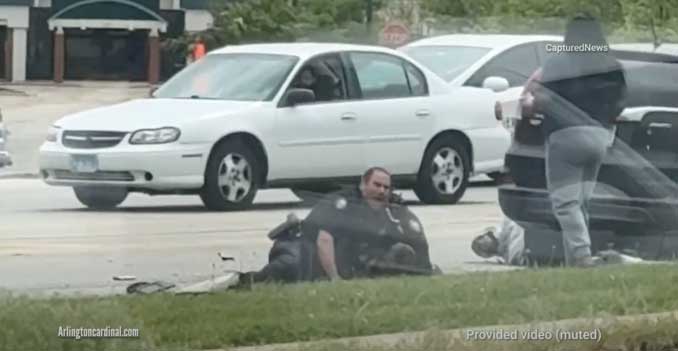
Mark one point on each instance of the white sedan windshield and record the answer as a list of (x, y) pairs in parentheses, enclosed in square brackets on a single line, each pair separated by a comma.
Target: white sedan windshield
[(447, 62), (240, 77)]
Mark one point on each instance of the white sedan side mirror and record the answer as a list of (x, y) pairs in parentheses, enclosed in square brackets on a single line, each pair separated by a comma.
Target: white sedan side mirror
[(496, 84)]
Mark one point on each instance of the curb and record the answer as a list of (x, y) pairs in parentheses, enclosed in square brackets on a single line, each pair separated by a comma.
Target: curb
[(41, 84), (460, 336), (73, 84), (18, 175), (12, 92)]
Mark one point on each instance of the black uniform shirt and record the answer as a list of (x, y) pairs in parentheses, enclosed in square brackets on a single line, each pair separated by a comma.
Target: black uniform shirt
[(354, 226)]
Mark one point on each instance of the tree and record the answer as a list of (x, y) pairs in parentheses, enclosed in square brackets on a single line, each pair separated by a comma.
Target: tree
[(653, 16), (257, 21), (247, 21), (451, 8), (243, 21)]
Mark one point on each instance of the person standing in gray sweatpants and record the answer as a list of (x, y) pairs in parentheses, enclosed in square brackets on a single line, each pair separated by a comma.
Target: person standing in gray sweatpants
[(580, 94), (573, 159)]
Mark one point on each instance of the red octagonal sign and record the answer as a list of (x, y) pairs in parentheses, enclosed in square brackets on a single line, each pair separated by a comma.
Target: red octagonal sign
[(394, 34)]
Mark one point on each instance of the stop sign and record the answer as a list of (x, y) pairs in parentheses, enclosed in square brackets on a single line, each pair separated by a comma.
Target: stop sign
[(394, 34)]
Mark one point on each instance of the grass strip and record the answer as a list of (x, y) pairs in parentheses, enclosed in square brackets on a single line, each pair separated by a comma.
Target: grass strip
[(271, 314)]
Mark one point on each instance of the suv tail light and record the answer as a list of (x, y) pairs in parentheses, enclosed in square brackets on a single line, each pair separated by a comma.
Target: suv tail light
[(498, 111)]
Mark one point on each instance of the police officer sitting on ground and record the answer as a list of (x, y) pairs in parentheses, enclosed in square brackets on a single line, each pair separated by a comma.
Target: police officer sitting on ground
[(360, 233)]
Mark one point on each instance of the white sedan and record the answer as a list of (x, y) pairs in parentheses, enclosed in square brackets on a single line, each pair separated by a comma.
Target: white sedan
[(302, 116), (498, 62)]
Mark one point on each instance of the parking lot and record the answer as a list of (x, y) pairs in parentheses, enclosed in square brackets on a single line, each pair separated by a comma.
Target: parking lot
[(49, 242), (29, 109)]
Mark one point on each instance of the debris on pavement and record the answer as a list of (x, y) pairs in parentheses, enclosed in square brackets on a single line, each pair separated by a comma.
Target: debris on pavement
[(124, 277), (228, 279), (149, 287), (215, 284), (225, 257), (615, 257)]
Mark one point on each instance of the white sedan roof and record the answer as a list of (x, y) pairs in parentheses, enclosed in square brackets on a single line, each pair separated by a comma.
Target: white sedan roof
[(490, 41), (302, 50)]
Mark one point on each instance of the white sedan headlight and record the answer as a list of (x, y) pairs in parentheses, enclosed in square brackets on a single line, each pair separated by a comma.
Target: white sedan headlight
[(52, 134), (155, 136)]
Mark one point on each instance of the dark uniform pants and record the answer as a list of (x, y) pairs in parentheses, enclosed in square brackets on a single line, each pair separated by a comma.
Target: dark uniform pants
[(284, 264), (396, 260), (295, 261)]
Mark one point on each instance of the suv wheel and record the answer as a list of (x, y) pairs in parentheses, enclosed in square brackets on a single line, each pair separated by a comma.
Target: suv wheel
[(100, 198), (444, 173), (231, 177)]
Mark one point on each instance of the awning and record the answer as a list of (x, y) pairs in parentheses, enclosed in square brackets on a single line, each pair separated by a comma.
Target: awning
[(107, 14), (107, 24)]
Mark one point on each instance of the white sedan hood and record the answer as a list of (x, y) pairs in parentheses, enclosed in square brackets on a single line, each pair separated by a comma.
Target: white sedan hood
[(150, 113)]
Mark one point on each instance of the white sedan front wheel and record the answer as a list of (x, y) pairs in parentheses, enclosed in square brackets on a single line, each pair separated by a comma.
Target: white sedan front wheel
[(235, 177), (231, 177), (444, 173)]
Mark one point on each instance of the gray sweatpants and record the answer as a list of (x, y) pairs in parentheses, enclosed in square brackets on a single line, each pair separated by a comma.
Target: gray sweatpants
[(573, 159)]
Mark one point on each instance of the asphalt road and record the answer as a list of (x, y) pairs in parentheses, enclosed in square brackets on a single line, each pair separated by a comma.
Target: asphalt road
[(49, 243)]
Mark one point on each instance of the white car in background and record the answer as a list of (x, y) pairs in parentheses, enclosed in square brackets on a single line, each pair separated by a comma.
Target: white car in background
[(669, 49), (497, 62), (302, 116)]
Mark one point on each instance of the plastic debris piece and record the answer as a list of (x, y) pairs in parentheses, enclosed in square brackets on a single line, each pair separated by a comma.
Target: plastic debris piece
[(149, 287), (212, 285), (225, 257), (124, 277)]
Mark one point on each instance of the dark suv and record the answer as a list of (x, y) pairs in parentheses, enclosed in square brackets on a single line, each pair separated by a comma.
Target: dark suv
[(635, 205)]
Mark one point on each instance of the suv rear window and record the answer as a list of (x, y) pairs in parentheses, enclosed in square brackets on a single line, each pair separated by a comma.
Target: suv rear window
[(651, 84)]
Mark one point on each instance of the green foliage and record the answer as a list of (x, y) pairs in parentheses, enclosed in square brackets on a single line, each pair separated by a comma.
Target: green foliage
[(330, 13), (257, 20), (624, 20), (608, 10), (249, 21), (282, 20)]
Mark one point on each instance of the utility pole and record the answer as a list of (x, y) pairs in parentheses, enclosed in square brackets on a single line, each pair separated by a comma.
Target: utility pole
[(368, 11), (656, 41)]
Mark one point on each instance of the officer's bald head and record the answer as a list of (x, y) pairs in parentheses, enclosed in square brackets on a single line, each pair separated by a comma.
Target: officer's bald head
[(376, 186)]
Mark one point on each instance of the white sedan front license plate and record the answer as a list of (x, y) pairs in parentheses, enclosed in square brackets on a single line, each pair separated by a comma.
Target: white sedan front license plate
[(84, 163)]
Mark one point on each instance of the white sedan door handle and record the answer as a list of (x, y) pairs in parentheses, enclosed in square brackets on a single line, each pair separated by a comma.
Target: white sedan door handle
[(423, 113), (349, 116)]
